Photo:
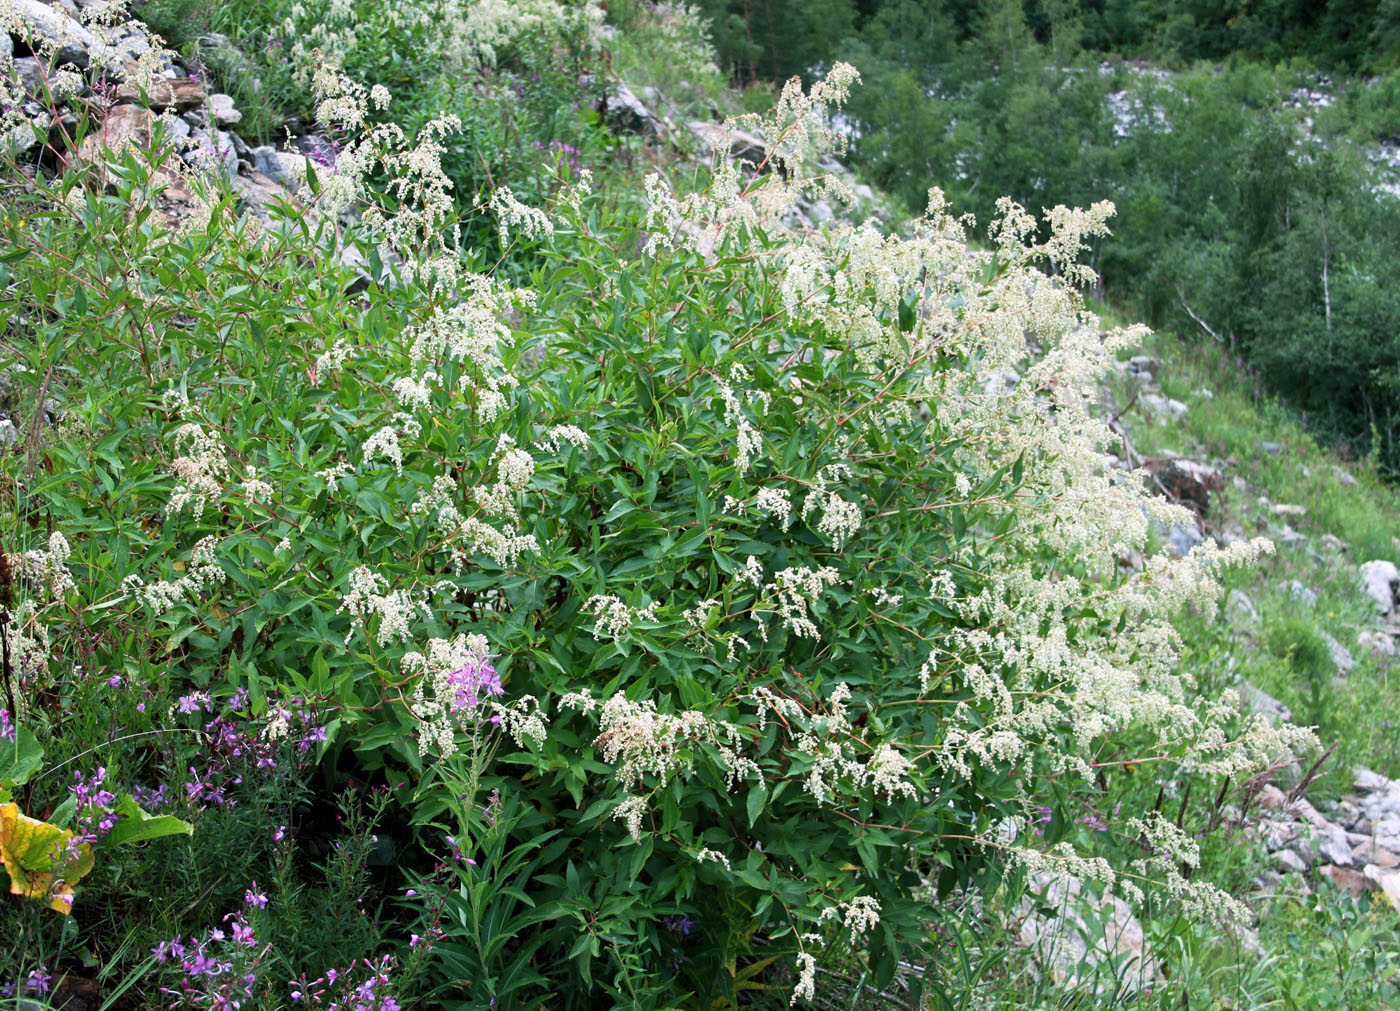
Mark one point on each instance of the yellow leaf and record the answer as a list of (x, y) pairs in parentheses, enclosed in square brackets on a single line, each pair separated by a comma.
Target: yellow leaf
[(39, 858)]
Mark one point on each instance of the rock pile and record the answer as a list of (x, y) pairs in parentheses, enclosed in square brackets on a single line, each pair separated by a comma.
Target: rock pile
[(1092, 942), (131, 111), (1356, 845), (626, 112)]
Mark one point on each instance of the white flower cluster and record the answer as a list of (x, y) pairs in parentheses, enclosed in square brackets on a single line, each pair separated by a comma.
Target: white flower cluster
[(471, 332), (558, 435), (714, 856), (860, 916), (524, 720), (777, 503), (614, 617), (747, 441), (640, 741), (197, 470), (47, 568), (531, 222), (795, 589), (434, 693), (365, 598), (840, 520), (384, 444), (202, 571)]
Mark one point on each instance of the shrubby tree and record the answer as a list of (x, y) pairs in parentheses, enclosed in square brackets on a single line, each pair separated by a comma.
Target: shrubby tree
[(722, 592)]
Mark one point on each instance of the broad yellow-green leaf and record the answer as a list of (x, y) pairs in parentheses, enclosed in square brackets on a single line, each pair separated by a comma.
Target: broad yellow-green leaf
[(37, 856)]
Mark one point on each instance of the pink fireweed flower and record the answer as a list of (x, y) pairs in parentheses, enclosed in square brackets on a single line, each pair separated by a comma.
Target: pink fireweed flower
[(474, 683)]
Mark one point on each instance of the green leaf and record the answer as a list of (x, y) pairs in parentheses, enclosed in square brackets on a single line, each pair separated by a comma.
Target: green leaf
[(138, 826), (755, 802), (19, 758)]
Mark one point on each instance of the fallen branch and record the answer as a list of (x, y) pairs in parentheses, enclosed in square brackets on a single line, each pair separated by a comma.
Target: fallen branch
[(1200, 322)]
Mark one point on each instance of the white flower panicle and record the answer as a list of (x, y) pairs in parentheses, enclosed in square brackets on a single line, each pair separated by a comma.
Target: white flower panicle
[(202, 571), (777, 503), (641, 741), (47, 568), (613, 617), (560, 435), (197, 470), (367, 596), (384, 444), (531, 222)]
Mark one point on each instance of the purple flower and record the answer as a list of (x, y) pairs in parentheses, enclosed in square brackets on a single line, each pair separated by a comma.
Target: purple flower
[(7, 729), (474, 683), (255, 898), (149, 800)]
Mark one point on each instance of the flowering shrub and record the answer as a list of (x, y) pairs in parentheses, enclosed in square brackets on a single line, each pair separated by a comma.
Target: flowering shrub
[(724, 556)]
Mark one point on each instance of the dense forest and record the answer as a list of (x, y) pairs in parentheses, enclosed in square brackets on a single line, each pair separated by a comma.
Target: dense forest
[(1249, 148)]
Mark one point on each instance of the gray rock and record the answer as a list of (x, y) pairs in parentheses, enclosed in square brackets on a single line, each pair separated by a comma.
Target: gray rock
[(1368, 852), (1378, 578), (1182, 538), (1301, 593), (1389, 881), (1341, 656), (1160, 405), (9, 434), (265, 160), (1386, 802), (51, 27), (624, 112), (1091, 943), (1272, 448), (1376, 643), (7, 46), (1370, 782), (29, 74), (24, 136), (1259, 701), (1144, 363), (1238, 607), (1334, 848), (221, 108), (241, 148), (1288, 862)]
